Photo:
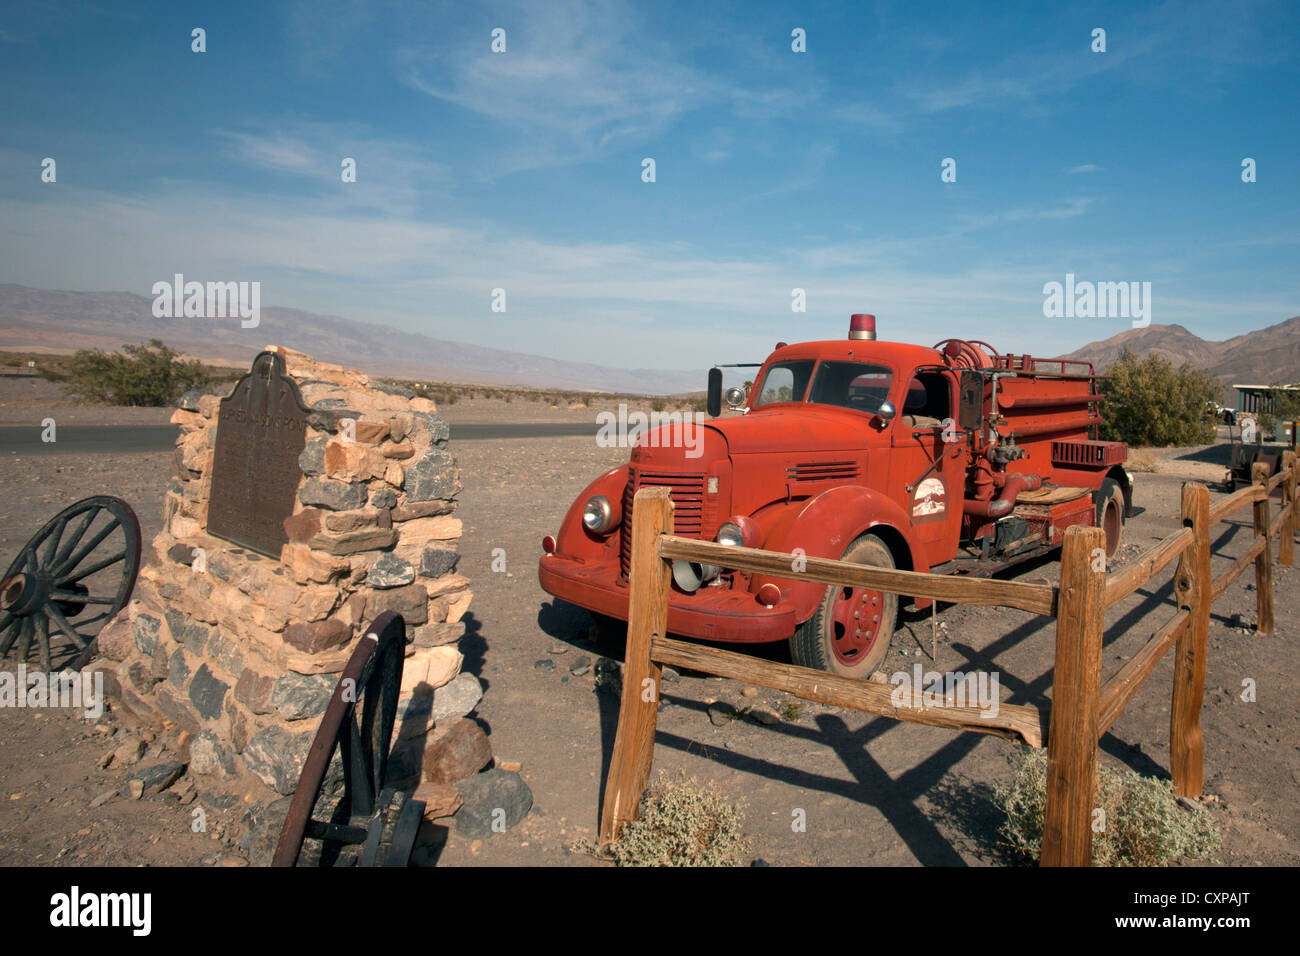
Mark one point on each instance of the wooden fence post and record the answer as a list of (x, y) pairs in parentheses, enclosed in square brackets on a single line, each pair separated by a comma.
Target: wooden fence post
[(1264, 562), (1286, 540), (650, 584), (1194, 588), (1076, 688)]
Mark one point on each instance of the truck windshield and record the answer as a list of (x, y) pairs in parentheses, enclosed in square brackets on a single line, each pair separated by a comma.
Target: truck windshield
[(855, 385), (783, 382)]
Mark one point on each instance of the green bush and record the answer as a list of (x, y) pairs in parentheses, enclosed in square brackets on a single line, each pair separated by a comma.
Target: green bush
[(683, 823), (1144, 824), (138, 375), (1148, 402)]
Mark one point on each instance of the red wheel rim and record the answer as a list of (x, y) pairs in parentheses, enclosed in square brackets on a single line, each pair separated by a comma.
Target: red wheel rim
[(1110, 521), (855, 623)]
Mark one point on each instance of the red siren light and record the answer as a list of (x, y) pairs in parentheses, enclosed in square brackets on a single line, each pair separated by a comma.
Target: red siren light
[(862, 326)]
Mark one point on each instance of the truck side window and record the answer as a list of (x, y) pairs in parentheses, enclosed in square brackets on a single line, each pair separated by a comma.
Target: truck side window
[(927, 401)]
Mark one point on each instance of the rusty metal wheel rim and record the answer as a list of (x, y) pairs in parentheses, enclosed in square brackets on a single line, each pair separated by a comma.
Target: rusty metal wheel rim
[(1112, 524), (45, 592), (361, 736)]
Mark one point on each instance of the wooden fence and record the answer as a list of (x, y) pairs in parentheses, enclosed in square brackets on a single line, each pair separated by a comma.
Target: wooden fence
[(1082, 709)]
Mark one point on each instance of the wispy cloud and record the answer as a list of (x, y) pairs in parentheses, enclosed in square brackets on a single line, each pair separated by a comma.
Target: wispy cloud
[(389, 174), (577, 81)]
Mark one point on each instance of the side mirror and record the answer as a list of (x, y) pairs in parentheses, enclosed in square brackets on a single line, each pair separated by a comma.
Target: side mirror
[(735, 397), (885, 413), (714, 403)]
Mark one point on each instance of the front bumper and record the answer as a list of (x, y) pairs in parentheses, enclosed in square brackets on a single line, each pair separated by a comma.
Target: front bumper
[(710, 614)]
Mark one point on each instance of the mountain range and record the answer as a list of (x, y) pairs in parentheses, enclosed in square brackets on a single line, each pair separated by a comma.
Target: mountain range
[(1261, 357), (46, 320), (40, 319)]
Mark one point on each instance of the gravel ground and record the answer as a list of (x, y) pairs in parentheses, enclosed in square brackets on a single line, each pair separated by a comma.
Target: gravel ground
[(874, 791)]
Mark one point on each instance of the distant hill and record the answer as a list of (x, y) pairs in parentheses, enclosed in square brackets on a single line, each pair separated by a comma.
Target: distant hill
[(1259, 357), (41, 319), (48, 320)]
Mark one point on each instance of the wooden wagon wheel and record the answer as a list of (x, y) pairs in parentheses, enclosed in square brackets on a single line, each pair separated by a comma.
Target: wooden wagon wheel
[(369, 825), (66, 570)]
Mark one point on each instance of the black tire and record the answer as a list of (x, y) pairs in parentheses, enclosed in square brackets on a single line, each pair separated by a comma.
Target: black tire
[(814, 643), (1110, 514), (611, 633)]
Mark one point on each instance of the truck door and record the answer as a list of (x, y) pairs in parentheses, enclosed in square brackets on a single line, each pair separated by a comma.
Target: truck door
[(927, 475)]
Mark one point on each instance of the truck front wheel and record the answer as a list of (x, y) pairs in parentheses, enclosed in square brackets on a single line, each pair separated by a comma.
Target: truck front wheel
[(851, 630)]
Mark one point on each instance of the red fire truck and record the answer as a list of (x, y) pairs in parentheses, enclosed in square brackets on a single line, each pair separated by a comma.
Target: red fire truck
[(952, 459)]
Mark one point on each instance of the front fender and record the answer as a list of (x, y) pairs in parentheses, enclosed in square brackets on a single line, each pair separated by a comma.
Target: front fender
[(573, 537), (825, 527)]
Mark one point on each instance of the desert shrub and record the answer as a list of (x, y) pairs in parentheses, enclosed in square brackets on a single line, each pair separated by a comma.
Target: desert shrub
[(658, 404), (1143, 460), (1145, 824), (683, 823), (138, 375), (1148, 402)]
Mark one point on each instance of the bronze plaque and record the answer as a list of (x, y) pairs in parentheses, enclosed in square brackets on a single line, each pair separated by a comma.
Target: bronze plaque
[(261, 431)]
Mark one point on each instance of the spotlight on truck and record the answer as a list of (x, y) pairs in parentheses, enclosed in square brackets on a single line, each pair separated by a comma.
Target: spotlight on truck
[(689, 576)]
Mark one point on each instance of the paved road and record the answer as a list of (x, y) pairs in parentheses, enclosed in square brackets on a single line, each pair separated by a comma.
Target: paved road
[(109, 439)]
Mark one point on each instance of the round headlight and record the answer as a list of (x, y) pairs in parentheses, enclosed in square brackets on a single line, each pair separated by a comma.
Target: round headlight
[(739, 531), (731, 535), (598, 514)]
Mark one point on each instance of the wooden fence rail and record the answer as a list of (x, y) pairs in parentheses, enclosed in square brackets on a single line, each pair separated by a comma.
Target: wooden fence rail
[(1083, 708)]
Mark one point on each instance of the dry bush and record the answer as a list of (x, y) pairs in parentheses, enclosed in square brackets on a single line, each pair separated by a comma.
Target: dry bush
[(683, 823), (1145, 824), (1143, 460)]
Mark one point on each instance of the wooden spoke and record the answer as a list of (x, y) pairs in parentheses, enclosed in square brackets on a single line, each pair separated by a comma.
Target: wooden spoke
[(42, 624), (77, 535), (25, 638), (9, 633), (70, 563), (52, 540), (72, 596), (88, 571), (57, 616)]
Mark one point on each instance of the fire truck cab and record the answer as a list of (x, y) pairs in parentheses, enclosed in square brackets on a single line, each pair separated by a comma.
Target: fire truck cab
[(951, 459)]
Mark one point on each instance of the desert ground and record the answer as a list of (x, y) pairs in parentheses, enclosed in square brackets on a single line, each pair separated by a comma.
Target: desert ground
[(874, 791)]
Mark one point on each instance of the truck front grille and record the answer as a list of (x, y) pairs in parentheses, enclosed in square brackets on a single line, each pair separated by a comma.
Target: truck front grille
[(687, 493)]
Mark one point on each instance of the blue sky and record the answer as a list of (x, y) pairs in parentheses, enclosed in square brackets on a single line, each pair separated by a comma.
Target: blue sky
[(775, 170)]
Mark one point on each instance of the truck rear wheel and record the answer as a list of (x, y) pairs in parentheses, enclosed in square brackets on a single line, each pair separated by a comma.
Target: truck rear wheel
[(1110, 514), (851, 630)]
